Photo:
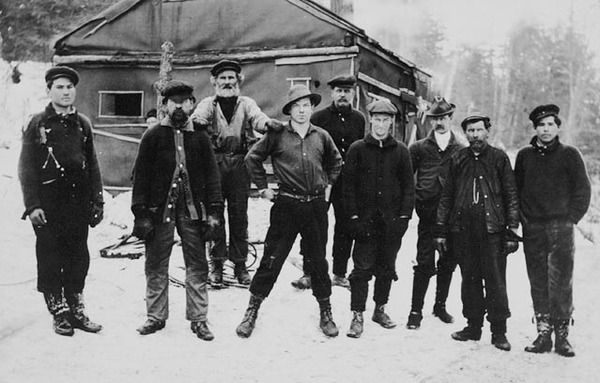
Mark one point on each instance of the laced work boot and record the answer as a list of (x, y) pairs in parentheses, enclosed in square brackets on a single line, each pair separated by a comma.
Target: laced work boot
[(562, 345), (151, 326), (302, 283), (471, 332), (202, 331), (326, 323), (356, 326), (543, 343), (80, 319), (439, 310), (379, 316), (414, 320), (244, 329), (241, 273), (215, 277), (58, 308)]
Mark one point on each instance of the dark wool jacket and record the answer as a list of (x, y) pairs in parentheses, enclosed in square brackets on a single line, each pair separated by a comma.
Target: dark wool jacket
[(58, 165), (552, 182), (378, 178), (343, 125), (155, 167), (498, 189), (430, 164)]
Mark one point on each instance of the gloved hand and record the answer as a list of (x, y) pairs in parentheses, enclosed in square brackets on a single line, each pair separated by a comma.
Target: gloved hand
[(274, 125), (143, 228), (510, 247), (440, 244), (96, 213)]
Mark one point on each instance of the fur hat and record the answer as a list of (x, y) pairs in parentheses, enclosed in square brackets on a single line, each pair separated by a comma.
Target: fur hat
[(297, 92)]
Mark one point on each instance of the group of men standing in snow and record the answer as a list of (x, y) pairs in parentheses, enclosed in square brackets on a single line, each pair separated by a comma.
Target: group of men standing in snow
[(468, 199)]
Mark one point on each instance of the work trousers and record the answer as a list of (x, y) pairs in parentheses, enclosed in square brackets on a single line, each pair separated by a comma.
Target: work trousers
[(376, 257), (549, 252), (158, 252), (235, 186), (290, 217)]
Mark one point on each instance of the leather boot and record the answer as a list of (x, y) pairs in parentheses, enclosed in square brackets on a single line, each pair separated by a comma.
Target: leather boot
[(241, 273), (302, 283), (80, 319), (441, 294), (420, 284), (500, 342), (414, 320), (379, 316), (58, 308), (543, 343), (244, 329), (439, 310), (215, 277), (356, 326), (471, 332), (201, 330), (151, 326), (326, 323), (562, 345)]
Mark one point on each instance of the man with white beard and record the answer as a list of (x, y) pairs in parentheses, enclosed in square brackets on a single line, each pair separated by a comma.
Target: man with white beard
[(231, 120)]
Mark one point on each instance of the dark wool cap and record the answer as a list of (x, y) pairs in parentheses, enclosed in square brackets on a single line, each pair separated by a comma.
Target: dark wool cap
[(177, 91), (224, 65), (382, 106), (62, 71), (440, 107), (543, 111), (342, 81), (474, 119)]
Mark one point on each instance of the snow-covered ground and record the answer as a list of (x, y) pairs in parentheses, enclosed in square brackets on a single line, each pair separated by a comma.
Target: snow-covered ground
[(287, 345)]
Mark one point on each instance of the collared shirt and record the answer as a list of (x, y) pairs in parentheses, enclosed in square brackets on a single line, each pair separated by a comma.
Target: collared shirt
[(302, 165), (180, 191)]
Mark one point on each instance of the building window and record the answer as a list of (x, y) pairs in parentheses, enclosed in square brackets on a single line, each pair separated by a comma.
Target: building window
[(121, 103), (299, 81)]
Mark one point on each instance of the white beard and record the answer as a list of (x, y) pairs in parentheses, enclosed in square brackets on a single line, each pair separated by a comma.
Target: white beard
[(228, 92)]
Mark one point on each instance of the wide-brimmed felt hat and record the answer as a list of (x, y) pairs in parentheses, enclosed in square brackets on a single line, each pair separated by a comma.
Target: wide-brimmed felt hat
[(382, 106), (543, 111), (298, 92), (473, 119), (440, 107), (342, 81), (224, 65), (177, 91), (62, 71)]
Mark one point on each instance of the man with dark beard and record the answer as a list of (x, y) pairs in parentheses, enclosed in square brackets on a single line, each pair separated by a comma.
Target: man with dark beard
[(176, 185), (345, 125), (430, 158), (231, 120), (479, 208)]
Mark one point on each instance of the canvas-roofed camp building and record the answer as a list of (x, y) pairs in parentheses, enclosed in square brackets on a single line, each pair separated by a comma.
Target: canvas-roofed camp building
[(279, 43)]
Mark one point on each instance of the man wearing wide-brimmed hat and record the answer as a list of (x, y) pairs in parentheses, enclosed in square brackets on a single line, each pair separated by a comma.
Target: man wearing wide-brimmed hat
[(306, 163), (231, 120), (430, 158), (62, 190), (554, 190), (345, 125), (176, 185)]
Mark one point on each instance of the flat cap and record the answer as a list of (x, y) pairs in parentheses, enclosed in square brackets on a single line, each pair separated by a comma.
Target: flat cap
[(342, 81), (440, 107), (62, 71), (298, 92), (177, 91), (224, 65), (382, 106), (473, 119), (543, 111)]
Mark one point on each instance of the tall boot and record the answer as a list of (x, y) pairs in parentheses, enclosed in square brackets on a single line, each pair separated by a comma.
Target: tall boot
[(244, 329), (326, 323), (215, 277), (59, 310), (379, 316), (441, 294), (543, 343), (420, 284), (562, 345), (80, 319)]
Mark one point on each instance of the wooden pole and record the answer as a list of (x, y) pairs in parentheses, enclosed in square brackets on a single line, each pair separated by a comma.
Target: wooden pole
[(164, 76)]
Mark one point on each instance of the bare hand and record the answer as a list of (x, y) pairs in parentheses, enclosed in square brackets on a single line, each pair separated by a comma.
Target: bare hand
[(274, 125), (268, 194), (440, 245), (38, 217)]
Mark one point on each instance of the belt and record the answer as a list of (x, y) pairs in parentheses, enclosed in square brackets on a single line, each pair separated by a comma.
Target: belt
[(302, 197)]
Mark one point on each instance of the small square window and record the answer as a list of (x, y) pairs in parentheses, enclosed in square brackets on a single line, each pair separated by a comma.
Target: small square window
[(299, 81), (121, 103)]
